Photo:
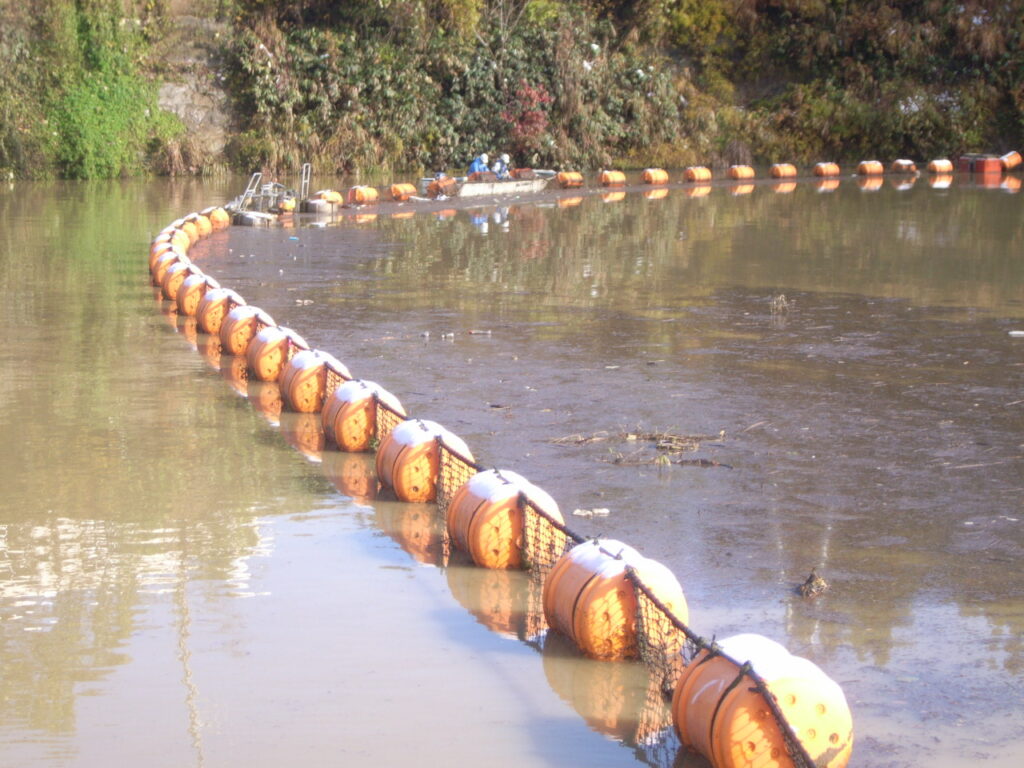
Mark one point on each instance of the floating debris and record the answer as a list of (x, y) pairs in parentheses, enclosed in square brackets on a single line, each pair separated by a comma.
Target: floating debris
[(814, 586), (595, 512)]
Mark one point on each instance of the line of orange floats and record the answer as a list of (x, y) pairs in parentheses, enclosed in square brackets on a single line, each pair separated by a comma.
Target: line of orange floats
[(588, 596)]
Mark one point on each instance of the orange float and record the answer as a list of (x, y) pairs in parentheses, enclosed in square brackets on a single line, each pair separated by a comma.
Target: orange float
[(903, 166), (655, 176), (174, 277), (218, 217), (783, 171), (350, 414), (159, 248), (588, 597), (870, 168), (445, 186), (485, 517), (331, 196), (201, 223), (303, 380), (239, 328), (741, 172), (409, 458), (569, 179), (732, 725), (612, 178), (1010, 160), (697, 173), (214, 306), (270, 350), (166, 260), (826, 169), (362, 195), (402, 192), (192, 291), (940, 166)]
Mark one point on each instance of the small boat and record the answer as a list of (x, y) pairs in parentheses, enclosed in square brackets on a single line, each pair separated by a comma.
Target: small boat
[(463, 186)]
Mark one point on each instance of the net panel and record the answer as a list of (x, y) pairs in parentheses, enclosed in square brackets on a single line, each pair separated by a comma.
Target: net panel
[(453, 471), (545, 539), (385, 419), (334, 379)]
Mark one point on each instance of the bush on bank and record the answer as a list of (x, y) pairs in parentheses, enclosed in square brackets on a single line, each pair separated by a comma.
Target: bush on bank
[(407, 84)]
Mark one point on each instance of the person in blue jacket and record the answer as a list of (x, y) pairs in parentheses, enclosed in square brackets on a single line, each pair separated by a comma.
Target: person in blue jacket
[(500, 167), (479, 164)]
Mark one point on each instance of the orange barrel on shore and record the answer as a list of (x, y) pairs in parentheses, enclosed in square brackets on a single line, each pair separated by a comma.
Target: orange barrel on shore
[(697, 173), (271, 348), (655, 176), (903, 166), (240, 327), (362, 195), (826, 169), (1010, 160), (303, 379), (783, 171), (165, 261), (402, 192), (612, 178), (214, 307), (741, 172), (485, 517), (940, 166), (192, 291), (218, 217), (870, 168), (728, 720), (174, 277), (350, 414), (569, 179), (409, 458), (589, 598)]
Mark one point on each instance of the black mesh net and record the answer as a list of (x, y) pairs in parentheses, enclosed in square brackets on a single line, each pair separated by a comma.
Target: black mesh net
[(385, 419), (453, 471), (334, 378), (545, 539)]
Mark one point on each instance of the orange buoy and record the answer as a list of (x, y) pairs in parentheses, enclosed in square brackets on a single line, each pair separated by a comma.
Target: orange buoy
[(485, 517), (331, 196), (783, 171), (870, 168), (1010, 160), (741, 172), (201, 223), (240, 326), (402, 192), (192, 291), (941, 166), (218, 217), (270, 349), (697, 173), (826, 169), (409, 458), (174, 277), (588, 597), (164, 262), (569, 179), (655, 176), (612, 178), (158, 249), (732, 725), (362, 195), (303, 380), (214, 306), (350, 414), (903, 166), (446, 186)]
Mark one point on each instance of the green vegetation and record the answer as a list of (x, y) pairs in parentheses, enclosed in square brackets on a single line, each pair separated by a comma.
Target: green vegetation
[(402, 84)]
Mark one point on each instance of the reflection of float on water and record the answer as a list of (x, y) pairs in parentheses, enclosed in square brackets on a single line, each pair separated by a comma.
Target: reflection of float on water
[(827, 185), (870, 183), (784, 187), (209, 349), (416, 528), (234, 372), (903, 184), (702, 191), (506, 602), (1011, 184), (190, 329), (353, 474), (941, 181), (738, 190), (568, 202), (265, 397), (304, 432), (619, 699), (613, 197), (655, 194)]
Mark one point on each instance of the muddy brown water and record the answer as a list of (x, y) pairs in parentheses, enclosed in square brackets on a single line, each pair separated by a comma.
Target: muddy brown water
[(180, 586)]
